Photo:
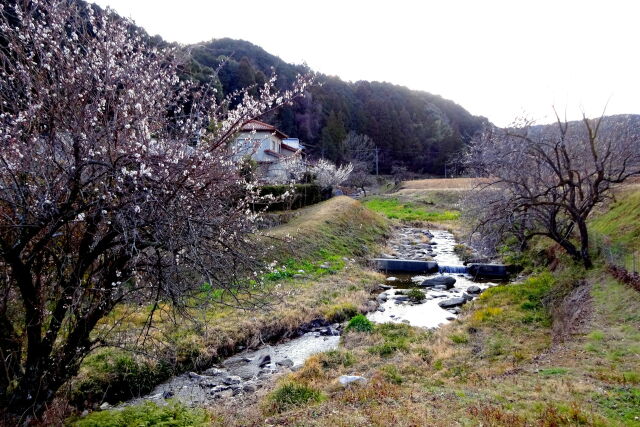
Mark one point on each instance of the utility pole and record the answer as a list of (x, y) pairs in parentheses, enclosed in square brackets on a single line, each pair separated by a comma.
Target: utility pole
[(376, 149)]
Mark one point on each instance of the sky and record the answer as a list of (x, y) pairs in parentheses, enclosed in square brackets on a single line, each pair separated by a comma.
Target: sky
[(498, 59)]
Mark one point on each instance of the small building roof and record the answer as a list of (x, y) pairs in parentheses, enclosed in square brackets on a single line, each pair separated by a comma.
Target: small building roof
[(288, 147), (259, 126)]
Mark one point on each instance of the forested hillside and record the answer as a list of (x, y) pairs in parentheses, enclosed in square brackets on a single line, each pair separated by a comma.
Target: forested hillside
[(412, 129)]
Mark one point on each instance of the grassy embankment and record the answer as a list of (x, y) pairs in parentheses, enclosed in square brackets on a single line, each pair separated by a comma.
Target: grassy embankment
[(332, 233), (560, 348), (431, 200), (617, 228)]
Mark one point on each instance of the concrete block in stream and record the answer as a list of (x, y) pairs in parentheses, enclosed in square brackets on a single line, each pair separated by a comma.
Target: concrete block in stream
[(490, 271), (406, 265)]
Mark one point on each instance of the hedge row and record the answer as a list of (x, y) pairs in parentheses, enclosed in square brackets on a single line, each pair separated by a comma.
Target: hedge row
[(303, 195)]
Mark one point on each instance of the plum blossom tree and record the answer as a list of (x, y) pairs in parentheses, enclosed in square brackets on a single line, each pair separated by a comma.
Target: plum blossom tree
[(546, 180), (116, 185), (328, 175)]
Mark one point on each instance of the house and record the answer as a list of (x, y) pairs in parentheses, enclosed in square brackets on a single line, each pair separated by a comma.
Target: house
[(269, 147)]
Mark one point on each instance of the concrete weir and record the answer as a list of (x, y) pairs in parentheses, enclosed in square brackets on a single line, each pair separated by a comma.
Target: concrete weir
[(489, 271), (406, 265)]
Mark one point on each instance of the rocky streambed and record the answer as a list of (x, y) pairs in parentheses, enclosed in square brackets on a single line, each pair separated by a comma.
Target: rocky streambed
[(245, 373), (443, 293)]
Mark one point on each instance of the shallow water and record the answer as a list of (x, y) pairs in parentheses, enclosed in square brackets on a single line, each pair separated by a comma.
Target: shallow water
[(242, 373), (427, 314), (246, 371)]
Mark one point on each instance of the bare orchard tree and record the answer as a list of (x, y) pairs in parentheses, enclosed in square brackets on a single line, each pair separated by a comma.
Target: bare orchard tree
[(116, 185), (360, 152), (546, 180)]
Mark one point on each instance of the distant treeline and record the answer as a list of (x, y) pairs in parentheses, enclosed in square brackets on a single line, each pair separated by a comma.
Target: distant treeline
[(412, 129)]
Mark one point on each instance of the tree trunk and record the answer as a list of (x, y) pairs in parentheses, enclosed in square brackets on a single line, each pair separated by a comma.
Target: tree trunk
[(585, 257)]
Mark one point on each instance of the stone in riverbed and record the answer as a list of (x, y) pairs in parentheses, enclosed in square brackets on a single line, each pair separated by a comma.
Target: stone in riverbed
[(287, 363), (452, 302), (446, 281), (214, 371), (194, 376), (467, 296), (474, 289), (232, 379), (218, 389), (264, 361)]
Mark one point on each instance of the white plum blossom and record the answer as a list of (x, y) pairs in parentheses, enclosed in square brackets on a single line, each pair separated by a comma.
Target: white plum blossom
[(95, 125)]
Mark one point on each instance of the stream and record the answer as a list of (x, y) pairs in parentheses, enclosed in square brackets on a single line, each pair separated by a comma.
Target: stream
[(422, 245), (250, 370)]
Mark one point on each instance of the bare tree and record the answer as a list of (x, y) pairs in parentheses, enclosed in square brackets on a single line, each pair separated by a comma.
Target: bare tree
[(116, 185), (546, 180), (360, 152)]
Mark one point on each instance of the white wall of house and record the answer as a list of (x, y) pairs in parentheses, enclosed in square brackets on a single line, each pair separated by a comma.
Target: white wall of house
[(255, 144)]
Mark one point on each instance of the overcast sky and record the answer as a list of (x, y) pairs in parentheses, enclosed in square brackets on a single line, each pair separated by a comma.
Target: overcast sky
[(495, 58)]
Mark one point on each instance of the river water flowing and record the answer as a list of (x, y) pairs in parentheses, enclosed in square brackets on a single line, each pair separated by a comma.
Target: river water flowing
[(433, 245), (250, 370)]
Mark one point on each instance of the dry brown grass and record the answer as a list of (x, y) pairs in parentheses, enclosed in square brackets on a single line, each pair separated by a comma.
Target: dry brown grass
[(443, 184), (313, 217), (436, 381)]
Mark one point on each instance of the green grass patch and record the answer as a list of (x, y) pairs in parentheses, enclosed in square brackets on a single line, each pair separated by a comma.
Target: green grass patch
[(416, 295), (409, 211), (291, 395), (459, 338), (147, 414), (396, 337), (392, 374), (340, 312), (621, 403), (621, 223), (359, 323), (549, 372), (596, 336)]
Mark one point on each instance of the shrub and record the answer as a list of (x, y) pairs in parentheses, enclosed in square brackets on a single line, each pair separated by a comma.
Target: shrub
[(303, 195), (115, 376), (416, 295), (290, 395), (147, 414), (359, 323)]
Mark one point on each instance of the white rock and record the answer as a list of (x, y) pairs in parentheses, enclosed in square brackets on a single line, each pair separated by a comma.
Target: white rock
[(349, 379)]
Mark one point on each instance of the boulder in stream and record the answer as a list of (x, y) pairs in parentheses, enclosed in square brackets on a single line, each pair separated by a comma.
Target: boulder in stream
[(452, 302), (446, 281), (231, 380), (474, 289), (287, 363)]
